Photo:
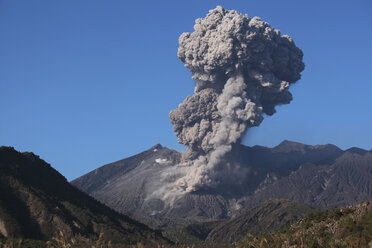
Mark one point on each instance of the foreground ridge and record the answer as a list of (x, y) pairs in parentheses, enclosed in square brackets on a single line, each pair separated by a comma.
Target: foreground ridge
[(36, 202), (349, 226)]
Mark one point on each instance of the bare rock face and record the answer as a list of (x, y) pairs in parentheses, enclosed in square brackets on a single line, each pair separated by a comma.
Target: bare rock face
[(347, 181), (321, 176)]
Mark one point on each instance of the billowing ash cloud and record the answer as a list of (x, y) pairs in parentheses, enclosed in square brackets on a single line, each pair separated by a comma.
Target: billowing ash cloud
[(243, 68)]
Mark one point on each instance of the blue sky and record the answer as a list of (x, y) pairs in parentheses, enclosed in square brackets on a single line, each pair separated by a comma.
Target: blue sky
[(84, 83)]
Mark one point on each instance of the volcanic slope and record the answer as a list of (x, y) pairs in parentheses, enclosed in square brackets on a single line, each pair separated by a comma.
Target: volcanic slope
[(321, 176), (266, 217), (36, 202)]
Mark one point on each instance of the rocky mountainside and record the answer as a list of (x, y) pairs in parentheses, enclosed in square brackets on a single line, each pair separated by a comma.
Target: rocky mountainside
[(36, 202), (321, 176), (346, 181), (267, 217)]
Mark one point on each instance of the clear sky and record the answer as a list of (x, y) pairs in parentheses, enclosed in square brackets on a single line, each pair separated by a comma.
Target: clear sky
[(84, 83)]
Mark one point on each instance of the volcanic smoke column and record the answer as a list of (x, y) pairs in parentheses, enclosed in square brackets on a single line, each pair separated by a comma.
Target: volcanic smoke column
[(243, 68)]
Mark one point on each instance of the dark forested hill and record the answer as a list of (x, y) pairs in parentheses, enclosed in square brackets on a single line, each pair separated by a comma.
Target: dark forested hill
[(36, 202)]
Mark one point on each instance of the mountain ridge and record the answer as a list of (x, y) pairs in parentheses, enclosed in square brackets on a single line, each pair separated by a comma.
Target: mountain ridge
[(315, 175), (268, 216)]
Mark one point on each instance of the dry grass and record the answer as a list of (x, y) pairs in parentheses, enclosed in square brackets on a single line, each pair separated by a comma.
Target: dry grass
[(62, 242), (12, 244)]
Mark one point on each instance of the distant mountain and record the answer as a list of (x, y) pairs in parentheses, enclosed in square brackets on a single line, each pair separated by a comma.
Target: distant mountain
[(36, 202), (357, 150), (346, 181), (321, 176)]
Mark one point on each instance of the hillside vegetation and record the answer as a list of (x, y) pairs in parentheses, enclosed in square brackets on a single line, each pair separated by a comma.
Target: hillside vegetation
[(345, 227), (339, 227)]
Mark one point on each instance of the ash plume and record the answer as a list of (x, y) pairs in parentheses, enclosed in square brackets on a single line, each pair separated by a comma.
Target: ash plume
[(243, 68)]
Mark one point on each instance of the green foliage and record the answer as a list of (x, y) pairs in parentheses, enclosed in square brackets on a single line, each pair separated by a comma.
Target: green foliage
[(339, 228), (359, 230), (322, 215)]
